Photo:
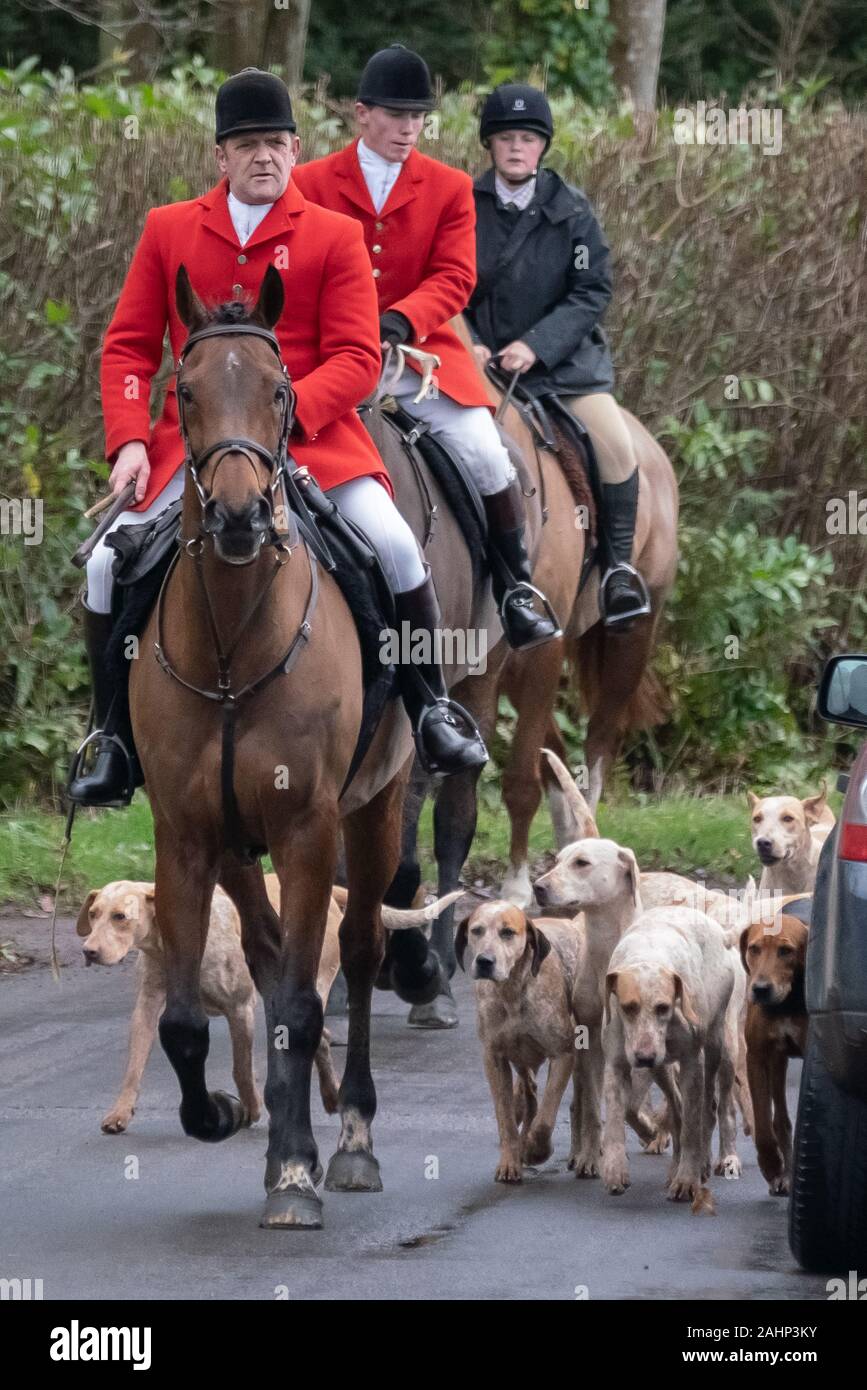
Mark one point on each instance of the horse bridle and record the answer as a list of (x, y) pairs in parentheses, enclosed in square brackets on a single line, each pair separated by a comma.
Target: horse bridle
[(276, 460), (226, 695)]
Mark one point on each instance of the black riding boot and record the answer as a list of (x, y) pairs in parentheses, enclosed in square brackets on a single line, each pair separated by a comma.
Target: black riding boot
[(511, 577), (442, 744), (110, 779), (623, 595)]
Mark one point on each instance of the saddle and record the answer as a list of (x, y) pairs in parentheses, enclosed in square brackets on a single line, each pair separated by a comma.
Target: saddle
[(145, 551)]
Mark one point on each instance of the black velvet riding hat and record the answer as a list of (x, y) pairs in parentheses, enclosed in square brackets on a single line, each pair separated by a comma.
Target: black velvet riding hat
[(253, 100), (398, 78)]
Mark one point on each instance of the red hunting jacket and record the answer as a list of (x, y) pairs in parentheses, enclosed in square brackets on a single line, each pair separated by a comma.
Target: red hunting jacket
[(422, 246), (328, 333)]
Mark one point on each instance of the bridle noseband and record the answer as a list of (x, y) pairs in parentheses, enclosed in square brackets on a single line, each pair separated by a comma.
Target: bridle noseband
[(276, 461)]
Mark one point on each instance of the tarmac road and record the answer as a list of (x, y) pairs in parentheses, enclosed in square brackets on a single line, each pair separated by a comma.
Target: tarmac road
[(74, 1214)]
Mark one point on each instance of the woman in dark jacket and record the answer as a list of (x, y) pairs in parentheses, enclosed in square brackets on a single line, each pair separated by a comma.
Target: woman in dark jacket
[(544, 282)]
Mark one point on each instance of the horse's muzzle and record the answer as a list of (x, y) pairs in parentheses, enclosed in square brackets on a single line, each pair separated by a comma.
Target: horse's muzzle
[(237, 534)]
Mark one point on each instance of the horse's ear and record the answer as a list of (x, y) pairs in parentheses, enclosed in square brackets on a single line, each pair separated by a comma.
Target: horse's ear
[(191, 310), (269, 305)]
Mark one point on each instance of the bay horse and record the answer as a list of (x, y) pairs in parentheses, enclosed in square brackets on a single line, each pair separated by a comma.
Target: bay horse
[(246, 702), (617, 687)]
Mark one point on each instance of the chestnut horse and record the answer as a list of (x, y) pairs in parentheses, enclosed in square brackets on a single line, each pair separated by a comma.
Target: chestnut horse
[(618, 690), (246, 702)]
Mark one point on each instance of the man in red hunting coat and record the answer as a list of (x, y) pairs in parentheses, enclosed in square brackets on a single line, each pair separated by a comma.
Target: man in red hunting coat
[(418, 218), (329, 340)]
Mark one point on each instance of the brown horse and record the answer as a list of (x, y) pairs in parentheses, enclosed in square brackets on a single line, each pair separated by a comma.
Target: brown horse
[(247, 612), (619, 691)]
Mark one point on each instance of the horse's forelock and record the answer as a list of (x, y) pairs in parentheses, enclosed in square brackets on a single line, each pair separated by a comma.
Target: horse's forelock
[(231, 311)]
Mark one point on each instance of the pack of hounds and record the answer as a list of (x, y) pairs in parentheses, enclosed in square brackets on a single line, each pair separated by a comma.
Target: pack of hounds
[(656, 981)]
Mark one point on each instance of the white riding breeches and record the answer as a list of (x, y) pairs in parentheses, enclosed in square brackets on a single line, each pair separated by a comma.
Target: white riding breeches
[(465, 430), (99, 576), (362, 500), (366, 502)]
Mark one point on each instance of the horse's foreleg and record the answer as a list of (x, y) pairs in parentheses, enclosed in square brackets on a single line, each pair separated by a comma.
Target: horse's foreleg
[(407, 880), (531, 682), (372, 840), (182, 906), (408, 966), (293, 1018)]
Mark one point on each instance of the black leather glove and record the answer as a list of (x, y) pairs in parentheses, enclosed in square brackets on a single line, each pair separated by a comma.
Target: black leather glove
[(394, 328)]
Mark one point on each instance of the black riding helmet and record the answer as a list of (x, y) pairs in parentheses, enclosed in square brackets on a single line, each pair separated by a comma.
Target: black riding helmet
[(398, 78), (253, 100), (516, 106)]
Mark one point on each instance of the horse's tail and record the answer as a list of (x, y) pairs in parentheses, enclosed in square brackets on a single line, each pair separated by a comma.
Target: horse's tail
[(586, 661)]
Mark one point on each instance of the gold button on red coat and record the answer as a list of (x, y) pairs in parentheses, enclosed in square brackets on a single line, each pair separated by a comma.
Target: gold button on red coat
[(377, 273), (242, 260), (376, 250), (379, 226)]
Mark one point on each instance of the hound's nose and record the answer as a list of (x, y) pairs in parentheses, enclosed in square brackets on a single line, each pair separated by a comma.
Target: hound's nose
[(761, 991), (90, 954), (645, 1059), (541, 894), (764, 847), (484, 967)]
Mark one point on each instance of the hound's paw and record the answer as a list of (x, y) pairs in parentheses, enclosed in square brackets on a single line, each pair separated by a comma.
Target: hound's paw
[(684, 1186), (508, 1169), (728, 1167), (779, 1186), (253, 1111), (659, 1143), (117, 1120), (584, 1165), (615, 1175), (537, 1147)]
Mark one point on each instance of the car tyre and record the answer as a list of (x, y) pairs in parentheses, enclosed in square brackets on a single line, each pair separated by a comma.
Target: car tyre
[(828, 1206)]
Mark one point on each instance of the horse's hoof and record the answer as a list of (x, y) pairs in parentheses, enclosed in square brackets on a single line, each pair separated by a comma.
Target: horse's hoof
[(291, 1208), (231, 1116), (439, 1013), (353, 1172)]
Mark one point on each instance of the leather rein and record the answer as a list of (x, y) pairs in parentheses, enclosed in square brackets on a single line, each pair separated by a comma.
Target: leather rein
[(226, 695)]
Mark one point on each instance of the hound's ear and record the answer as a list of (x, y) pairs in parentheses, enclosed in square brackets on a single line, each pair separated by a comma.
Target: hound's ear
[(753, 800), (815, 805), (610, 987), (540, 947), (682, 998), (743, 945), (82, 926), (269, 305), (190, 308), (630, 864), (461, 940)]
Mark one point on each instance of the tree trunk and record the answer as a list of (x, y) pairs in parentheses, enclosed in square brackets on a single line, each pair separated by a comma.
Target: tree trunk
[(127, 30), (636, 48), (238, 35), (286, 38)]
